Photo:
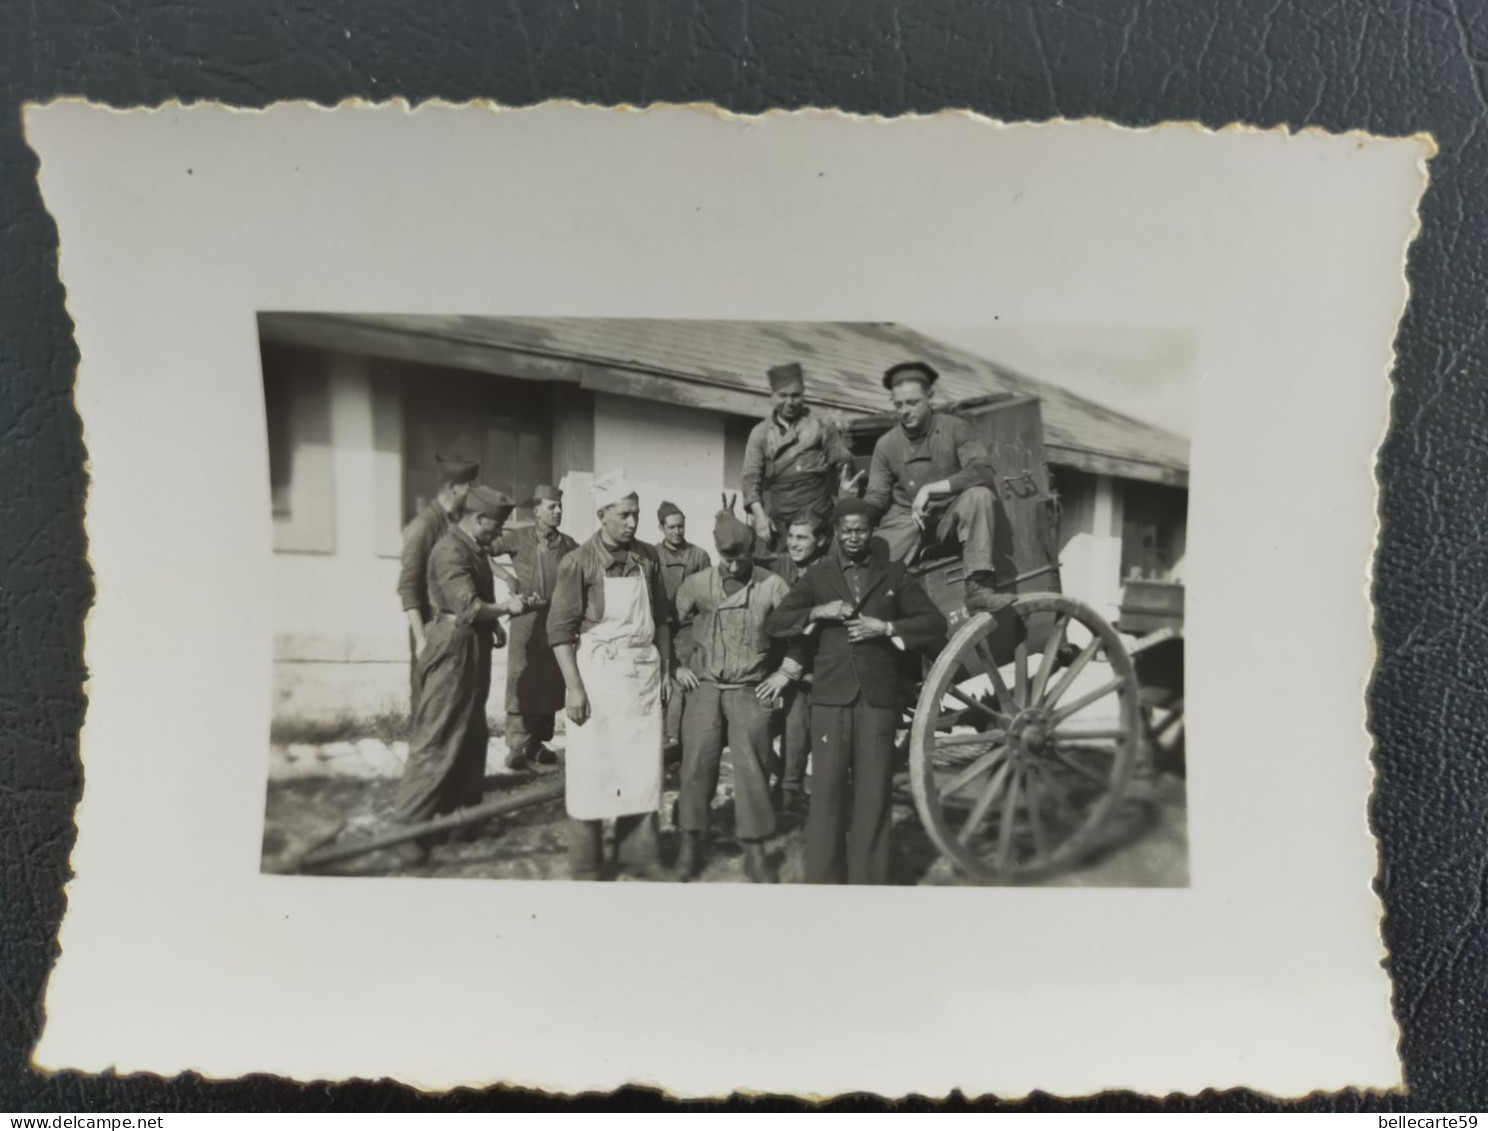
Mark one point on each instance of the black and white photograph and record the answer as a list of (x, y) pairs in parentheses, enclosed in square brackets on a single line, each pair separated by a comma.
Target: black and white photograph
[(927, 558), (726, 601)]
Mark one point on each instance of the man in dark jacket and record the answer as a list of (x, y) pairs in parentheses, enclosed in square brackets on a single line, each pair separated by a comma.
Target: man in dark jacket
[(419, 537), (857, 615)]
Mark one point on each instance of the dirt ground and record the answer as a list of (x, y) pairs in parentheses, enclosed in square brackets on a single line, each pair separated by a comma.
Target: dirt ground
[(1149, 850)]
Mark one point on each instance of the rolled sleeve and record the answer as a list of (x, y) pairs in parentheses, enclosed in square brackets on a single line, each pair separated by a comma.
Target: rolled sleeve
[(752, 479), (566, 609), (455, 581)]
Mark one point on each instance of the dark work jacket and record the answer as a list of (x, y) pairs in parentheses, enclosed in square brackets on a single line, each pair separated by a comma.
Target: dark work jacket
[(843, 670)]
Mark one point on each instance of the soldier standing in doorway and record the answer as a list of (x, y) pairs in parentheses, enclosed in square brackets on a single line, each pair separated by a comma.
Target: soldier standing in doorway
[(419, 537), (534, 683)]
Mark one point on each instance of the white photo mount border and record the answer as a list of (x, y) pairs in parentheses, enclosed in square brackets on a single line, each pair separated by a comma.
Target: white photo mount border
[(1284, 251)]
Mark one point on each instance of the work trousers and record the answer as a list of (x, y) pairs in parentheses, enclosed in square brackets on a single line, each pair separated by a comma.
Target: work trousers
[(415, 676), (968, 520), (712, 713), (672, 717), (526, 732), (793, 724), (637, 844), (852, 769)]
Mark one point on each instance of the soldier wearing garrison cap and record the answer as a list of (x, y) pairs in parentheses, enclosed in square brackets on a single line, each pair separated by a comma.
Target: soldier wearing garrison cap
[(447, 743), (794, 462), (534, 683), (419, 536), (733, 677), (931, 481)]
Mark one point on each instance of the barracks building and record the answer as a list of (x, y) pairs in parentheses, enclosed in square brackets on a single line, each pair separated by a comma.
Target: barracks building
[(358, 406)]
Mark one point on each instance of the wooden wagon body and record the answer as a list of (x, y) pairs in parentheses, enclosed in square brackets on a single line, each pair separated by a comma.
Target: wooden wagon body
[(1035, 727)]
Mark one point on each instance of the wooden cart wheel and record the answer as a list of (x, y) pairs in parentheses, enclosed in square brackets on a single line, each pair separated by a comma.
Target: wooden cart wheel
[(1015, 768)]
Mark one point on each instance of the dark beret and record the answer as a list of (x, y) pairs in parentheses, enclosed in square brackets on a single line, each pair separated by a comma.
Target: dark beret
[(910, 371)]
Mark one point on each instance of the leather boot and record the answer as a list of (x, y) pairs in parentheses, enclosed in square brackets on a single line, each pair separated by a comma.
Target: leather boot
[(982, 596), (689, 856)]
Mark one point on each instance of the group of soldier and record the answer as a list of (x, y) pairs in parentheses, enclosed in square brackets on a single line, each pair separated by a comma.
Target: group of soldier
[(800, 633)]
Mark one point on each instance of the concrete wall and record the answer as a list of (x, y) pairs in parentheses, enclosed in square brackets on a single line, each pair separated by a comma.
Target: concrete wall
[(340, 645), (670, 452), (1090, 540)]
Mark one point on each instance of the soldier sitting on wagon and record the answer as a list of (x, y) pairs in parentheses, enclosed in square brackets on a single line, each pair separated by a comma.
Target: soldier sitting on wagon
[(931, 481)]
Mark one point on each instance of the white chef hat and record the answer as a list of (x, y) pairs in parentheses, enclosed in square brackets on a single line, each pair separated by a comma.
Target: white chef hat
[(611, 488)]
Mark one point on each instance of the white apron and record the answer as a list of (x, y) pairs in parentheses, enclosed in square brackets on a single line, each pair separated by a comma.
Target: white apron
[(614, 760)]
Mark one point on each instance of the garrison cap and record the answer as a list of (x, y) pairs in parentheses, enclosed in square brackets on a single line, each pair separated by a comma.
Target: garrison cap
[(544, 492), (910, 371), (733, 538), (457, 469), (489, 502), (665, 511), (786, 376)]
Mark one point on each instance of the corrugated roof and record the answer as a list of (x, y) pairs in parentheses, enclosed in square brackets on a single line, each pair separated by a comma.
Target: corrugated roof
[(843, 362)]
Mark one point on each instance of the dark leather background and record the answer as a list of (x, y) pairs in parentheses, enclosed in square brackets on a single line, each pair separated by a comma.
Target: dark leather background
[(1389, 68)]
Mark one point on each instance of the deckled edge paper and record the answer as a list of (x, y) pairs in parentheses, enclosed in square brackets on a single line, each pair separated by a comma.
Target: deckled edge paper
[(1283, 251)]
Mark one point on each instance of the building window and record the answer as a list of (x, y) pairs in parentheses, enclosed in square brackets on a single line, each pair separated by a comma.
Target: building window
[(503, 423), (297, 414), (1152, 535)]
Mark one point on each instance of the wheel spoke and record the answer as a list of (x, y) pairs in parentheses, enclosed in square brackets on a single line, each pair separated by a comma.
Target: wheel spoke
[(1059, 795), (1072, 672), (1005, 830), (975, 704), (1020, 668), (1035, 818), (978, 766), (1000, 688), (1088, 735), (984, 802), (950, 719), (1069, 763), (1088, 698), (982, 738), (1046, 665)]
